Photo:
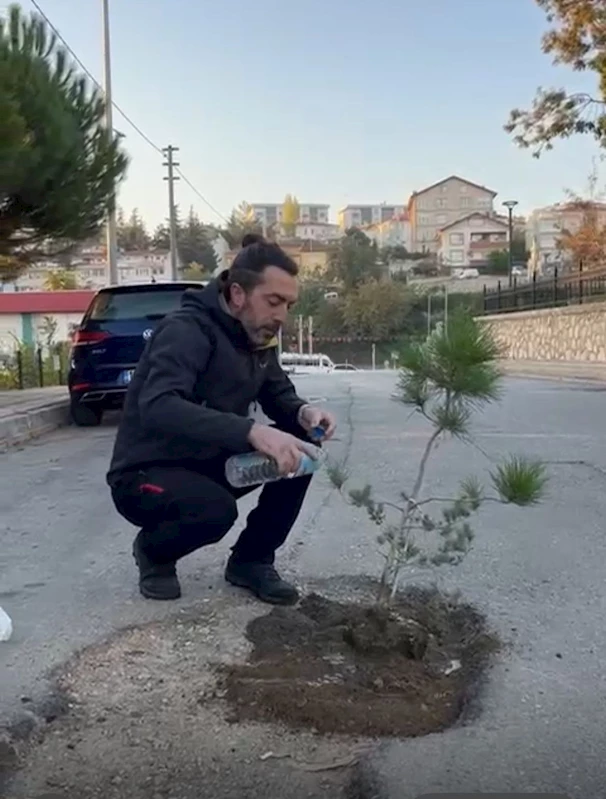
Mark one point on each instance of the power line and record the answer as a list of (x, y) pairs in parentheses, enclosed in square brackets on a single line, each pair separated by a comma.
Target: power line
[(122, 113), (201, 196)]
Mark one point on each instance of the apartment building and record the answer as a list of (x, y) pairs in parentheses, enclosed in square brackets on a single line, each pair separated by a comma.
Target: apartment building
[(271, 213), (442, 203), (91, 271), (394, 232), (361, 215), (468, 242), (545, 228)]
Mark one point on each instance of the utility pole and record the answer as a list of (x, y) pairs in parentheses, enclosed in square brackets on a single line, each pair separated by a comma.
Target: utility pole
[(170, 164), (300, 326), (111, 228), (310, 334)]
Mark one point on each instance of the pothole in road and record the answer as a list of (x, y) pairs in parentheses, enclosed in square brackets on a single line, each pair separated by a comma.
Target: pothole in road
[(362, 670), (153, 711)]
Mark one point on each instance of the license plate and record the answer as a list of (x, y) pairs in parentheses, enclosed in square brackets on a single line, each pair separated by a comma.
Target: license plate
[(127, 376)]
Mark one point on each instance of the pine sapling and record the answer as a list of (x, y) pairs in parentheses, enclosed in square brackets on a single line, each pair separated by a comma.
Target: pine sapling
[(445, 379)]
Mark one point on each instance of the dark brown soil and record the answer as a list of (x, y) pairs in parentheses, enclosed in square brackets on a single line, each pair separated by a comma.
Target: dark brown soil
[(362, 670)]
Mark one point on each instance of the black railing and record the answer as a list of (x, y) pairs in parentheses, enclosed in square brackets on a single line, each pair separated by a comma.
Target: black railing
[(547, 292)]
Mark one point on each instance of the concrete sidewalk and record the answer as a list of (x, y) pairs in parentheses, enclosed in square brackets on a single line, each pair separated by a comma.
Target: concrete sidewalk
[(30, 413), (556, 370)]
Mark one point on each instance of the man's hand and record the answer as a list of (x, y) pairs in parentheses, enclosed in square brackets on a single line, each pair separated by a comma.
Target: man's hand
[(283, 448), (311, 417)]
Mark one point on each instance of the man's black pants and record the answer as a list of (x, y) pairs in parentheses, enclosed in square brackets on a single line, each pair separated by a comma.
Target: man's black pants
[(180, 510)]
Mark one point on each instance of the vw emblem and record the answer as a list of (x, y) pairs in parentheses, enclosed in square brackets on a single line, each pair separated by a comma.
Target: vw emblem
[(147, 334)]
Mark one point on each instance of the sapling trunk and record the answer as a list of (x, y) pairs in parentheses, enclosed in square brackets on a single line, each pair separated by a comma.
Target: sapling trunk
[(394, 562)]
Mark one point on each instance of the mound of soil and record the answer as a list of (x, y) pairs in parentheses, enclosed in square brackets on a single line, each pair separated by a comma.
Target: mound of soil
[(356, 669)]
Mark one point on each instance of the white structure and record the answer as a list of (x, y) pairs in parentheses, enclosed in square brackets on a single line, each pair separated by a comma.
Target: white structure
[(545, 228), (361, 215), (394, 232), (468, 242), (270, 213), (221, 248), (318, 231)]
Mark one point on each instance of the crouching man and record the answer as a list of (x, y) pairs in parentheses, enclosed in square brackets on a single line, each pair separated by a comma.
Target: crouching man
[(186, 411)]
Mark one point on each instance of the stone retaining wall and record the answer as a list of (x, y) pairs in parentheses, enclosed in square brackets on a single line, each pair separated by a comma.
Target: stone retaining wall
[(573, 333)]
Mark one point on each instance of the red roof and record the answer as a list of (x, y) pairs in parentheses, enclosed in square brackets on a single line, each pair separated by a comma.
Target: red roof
[(48, 302)]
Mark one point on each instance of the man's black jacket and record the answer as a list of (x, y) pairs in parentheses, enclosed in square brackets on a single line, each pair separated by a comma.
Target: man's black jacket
[(189, 398)]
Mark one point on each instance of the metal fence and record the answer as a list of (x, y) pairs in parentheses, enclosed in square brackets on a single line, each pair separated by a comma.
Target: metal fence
[(548, 292), (34, 367)]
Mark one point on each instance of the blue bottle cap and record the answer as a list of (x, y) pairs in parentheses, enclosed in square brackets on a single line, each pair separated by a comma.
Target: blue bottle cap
[(318, 433)]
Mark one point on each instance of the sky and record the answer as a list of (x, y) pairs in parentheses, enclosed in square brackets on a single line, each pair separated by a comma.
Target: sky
[(334, 101)]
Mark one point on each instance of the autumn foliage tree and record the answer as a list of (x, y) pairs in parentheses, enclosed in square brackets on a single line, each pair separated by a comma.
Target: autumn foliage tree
[(576, 38), (585, 243), (290, 214)]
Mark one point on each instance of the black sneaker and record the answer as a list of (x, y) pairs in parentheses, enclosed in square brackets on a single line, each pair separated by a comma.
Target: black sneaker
[(156, 580), (263, 580)]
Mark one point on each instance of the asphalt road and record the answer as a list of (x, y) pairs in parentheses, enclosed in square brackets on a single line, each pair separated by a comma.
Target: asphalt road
[(67, 579)]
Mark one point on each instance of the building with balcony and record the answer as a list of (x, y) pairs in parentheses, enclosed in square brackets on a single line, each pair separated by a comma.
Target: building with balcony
[(468, 242), (441, 204)]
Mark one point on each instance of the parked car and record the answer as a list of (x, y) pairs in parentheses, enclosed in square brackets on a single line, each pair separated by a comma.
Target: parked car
[(109, 341), (345, 367), (468, 273)]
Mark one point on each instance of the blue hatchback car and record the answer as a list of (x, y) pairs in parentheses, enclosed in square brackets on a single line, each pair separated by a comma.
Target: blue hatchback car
[(109, 342)]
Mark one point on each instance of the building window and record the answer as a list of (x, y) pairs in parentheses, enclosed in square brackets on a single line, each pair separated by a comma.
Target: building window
[(441, 219), (457, 238), (440, 203), (457, 256), (464, 202)]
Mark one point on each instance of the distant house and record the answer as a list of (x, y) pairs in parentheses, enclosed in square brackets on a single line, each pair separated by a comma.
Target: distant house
[(468, 242), (393, 232), (24, 315), (443, 203)]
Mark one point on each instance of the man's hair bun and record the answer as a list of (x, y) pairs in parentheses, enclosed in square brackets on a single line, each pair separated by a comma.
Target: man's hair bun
[(252, 238)]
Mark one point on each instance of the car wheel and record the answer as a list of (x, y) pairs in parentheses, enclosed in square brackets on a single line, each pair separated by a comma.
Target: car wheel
[(86, 415)]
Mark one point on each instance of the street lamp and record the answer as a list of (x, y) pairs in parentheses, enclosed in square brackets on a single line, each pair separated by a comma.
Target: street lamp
[(112, 243), (510, 205)]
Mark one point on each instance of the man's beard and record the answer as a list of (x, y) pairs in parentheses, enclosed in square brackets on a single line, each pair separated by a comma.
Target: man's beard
[(261, 335), (264, 335)]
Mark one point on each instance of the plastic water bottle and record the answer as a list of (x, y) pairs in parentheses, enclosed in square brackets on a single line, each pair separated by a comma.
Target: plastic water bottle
[(252, 468), (6, 626)]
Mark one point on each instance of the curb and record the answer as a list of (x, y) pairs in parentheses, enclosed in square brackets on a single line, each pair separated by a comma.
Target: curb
[(20, 426)]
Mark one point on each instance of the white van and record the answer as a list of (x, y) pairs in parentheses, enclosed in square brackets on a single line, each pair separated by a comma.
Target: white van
[(301, 364), (468, 273)]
